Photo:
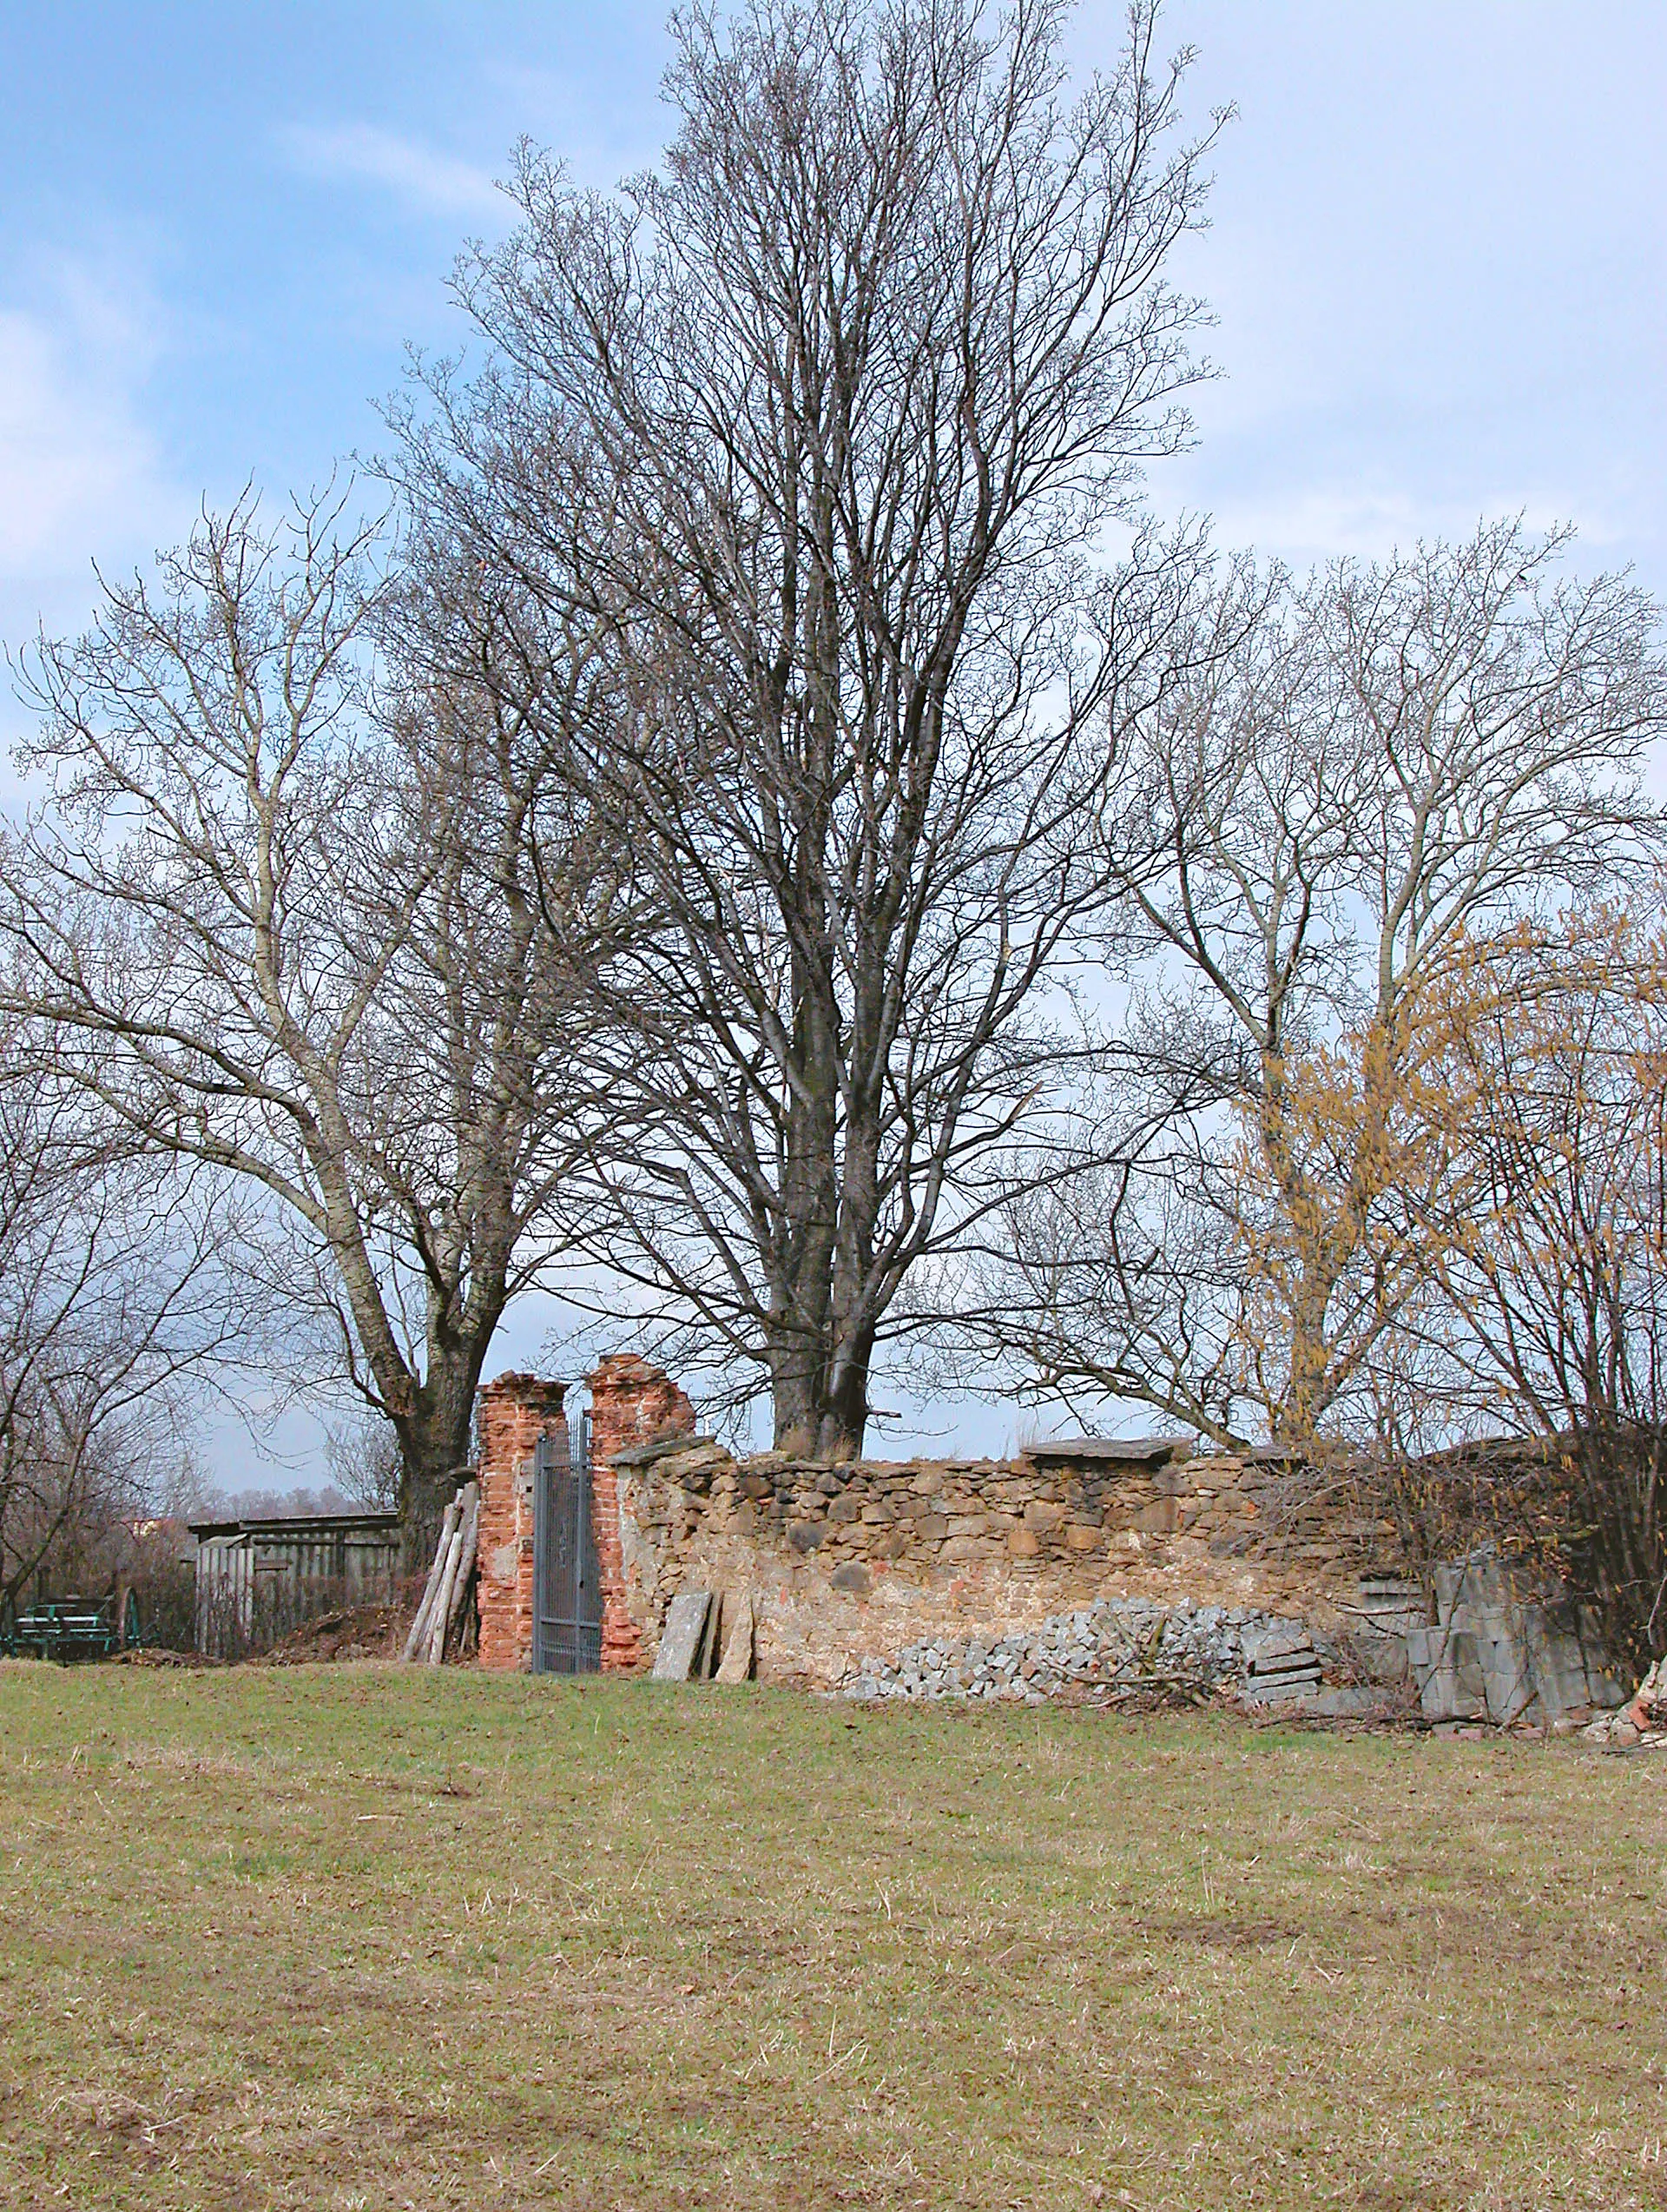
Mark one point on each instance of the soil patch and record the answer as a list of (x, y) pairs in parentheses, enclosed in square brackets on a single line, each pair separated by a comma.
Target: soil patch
[(348, 1632)]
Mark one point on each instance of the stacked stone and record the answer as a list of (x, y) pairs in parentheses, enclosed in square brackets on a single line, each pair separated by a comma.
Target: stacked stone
[(989, 1542), (965, 1516), (1127, 1643), (1279, 1661), (1642, 1722), (962, 1514)]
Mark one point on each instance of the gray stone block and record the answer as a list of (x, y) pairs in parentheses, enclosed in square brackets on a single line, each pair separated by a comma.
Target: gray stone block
[(1351, 1705), (736, 1665), (1280, 1690), (1507, 1679), (684, 1634), (1276, 1640), (1443, 1693), (1286, 1662)]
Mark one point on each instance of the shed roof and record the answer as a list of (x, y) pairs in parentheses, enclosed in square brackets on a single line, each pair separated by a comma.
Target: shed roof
[(300, 1525)]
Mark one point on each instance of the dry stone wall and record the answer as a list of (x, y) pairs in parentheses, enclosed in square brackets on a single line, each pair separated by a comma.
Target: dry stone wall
[(860, 1562), (1089, 1564)]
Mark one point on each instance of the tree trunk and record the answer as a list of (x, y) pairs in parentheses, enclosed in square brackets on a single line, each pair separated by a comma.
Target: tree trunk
[(820, 1404), (436, 1442)]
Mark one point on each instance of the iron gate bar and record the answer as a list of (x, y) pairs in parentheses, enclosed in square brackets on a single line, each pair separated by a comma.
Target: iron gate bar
[(566, 1572)]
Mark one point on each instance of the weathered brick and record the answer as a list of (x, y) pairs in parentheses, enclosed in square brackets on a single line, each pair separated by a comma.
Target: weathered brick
[(632, 1401), (513, 1413)]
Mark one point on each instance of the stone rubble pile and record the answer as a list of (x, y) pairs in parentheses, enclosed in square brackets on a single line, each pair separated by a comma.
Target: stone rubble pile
[(1642, 1722), (1118, 1643)]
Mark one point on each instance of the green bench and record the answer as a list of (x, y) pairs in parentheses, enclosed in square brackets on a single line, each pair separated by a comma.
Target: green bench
[(72, 1627)]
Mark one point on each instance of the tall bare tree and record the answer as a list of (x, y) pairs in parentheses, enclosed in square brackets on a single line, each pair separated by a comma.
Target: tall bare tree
[(1553, 1245), (113, 1307), (283, 910), (1549, 1249), (1316, 834), (827, 422)]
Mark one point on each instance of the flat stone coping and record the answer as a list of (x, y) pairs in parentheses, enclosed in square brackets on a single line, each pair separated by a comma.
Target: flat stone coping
[(1141, 1451)]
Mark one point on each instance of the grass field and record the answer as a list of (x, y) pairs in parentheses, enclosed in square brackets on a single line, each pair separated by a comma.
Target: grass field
[(358, 1937)]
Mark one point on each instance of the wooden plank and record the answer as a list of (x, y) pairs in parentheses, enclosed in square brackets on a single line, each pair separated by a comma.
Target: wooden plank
[(466, 1562), (417, 1639), (443, 1601), (681, 1638)]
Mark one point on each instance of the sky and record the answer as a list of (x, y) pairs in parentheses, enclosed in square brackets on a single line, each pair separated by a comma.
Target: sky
[(1437, 257)]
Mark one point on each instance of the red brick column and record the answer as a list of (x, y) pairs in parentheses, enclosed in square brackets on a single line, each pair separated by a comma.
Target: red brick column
[(632, 1401), (514, 1412)]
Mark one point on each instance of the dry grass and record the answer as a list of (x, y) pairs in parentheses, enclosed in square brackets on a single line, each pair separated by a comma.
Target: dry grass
[(363, 1938)]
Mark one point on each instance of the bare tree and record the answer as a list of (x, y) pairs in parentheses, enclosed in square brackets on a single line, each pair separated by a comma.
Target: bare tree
[(1550, 1248), (1316, 834), (112, 1306), (825, 423), (1118, 1280), (283, 910), (363, 1456)]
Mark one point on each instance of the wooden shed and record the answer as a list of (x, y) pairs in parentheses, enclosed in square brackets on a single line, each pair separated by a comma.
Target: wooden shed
[(258, 1579)]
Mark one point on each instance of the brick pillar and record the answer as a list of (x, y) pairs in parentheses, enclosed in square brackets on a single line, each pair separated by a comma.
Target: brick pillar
[(513, 1413), (631, 1403)]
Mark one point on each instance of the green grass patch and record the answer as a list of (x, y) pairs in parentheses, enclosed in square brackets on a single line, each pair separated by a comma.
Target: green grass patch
[(367, 1938)]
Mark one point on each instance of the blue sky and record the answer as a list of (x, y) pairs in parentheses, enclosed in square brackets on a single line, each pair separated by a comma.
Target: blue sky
[(1439, 256)]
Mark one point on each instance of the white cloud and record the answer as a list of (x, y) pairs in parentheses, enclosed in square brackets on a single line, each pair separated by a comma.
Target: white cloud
[(81, 473), (437, 183)]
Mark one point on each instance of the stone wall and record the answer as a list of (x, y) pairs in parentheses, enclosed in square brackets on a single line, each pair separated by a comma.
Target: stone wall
[(849, 1561), (852, 1562), (891, 1578)]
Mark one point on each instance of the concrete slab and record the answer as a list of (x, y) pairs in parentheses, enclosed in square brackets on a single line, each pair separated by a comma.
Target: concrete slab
[(681, 1639)]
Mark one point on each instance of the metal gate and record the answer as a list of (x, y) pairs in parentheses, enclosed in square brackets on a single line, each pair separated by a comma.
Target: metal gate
[(566, 1574)]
